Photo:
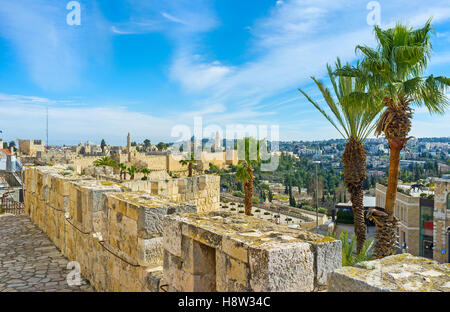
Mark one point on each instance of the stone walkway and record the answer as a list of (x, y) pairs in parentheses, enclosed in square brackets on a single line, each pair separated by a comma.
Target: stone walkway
[(29, 261)]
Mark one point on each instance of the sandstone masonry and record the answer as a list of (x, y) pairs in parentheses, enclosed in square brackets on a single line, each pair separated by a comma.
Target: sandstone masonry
[(113, 232), (219, 251)]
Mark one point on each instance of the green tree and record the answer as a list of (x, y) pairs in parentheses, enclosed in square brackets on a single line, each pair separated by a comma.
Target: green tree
[(354, 114), (190, 162), (161, 146), (145, 172), (123, 170), (147, 144), (103, 145), (249, 154), (105, 161), (132, 171), (395, 70)]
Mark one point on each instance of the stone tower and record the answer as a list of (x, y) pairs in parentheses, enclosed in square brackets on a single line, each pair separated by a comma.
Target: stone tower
[(129, 147), (217, 142)]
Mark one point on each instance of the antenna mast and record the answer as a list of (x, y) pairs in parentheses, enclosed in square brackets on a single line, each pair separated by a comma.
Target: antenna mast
[(47, 128)]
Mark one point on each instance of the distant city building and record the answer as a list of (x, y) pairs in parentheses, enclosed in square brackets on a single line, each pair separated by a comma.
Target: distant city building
[(31, 147), (423, 222)]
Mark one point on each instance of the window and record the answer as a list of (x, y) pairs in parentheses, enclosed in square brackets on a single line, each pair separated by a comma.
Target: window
[(448, 201)]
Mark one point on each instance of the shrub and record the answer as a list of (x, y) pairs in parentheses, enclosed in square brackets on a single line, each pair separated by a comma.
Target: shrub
[(233, 209), (266, 213), (257, 210), (241, 211), (308, 207), (349, 258), (238, 194)]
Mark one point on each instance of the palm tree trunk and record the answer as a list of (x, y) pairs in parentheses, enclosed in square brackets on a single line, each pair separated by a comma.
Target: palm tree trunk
[(357, 197), (190, 169), (354, 160), (394, 160), (248, 188), (395, 123), (387, 224)]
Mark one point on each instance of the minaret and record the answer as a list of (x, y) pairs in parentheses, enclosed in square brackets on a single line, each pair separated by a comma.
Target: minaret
[(217, 142), (129, 147)]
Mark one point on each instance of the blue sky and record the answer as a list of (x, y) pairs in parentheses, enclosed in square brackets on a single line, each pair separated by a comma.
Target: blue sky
[(144, 66)]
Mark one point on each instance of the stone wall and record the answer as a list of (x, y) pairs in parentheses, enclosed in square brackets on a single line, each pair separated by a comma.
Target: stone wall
[(441, 215), (202, 191), (219, 251), (403, 272), (115, 234), (407, 211)]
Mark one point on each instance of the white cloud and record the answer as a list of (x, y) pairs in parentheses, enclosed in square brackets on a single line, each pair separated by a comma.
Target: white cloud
[(172, 18), (194, 75), (293, 43), (69, 124)]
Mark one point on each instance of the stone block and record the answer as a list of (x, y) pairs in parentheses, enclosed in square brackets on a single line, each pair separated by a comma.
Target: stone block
[(172, 236), (327, 258), (197, 258), (402, 272), (287, 268), (150, 251), (235, 249)]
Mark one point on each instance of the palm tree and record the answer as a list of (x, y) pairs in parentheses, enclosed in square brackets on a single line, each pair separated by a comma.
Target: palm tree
[(354, 114), (104, 161), (123, 170), (190, 162), (249, 154), (145, 172), (132, 171), (395, 69)]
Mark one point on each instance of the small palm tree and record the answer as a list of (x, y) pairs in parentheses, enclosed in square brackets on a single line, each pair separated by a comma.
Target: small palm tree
[(104, 161), (354, 115), (249, 154), (190, 162), (395, 69), (123, 170), (349, 258), (132, 171), (145, 172)]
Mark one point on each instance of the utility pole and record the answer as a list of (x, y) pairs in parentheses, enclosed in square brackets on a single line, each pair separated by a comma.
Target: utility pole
[(47, 128), (317, 198)]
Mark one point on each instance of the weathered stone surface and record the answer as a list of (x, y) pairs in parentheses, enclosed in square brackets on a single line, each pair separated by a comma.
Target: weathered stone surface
[(114, 234), (249, 254), (154, 277), (327, 258), (402, 272), (172, 236), (29, 261), (287, 268)]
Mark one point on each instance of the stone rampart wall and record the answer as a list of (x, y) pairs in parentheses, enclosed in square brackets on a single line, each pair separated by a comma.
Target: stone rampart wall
[(114, 233)]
